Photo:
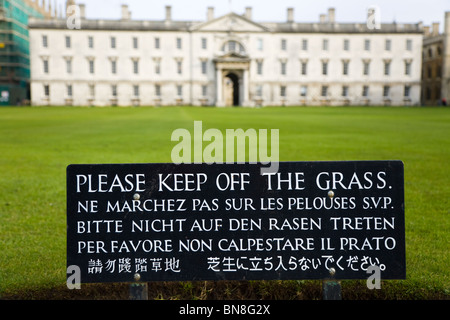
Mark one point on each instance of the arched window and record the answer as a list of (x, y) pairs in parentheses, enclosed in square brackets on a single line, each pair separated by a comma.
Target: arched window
[(233, 46)]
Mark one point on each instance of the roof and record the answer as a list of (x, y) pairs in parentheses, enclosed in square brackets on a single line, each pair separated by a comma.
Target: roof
[(229, 22)]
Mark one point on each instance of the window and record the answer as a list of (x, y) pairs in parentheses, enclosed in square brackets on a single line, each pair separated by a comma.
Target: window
[(438, 92), (157, 43), (259, 90), (345, 91), (367, 45), (283, 68), (157, 90), (366, 65), (204, 90), (69, 90), (324, 67), (325, 44), (407, 91), (179, 90), (45, 64), (407, 68), (345, 67), (136, 90), (179, 67), (428, 93), (92, 90), (114, 90), (113, 66), (304, 68), (233, 46), (324, 91), (409, 44), (346, 45), (69, 66), (91, 42), (283, 91), (304, 44), (387, 68), (135, 43), (135, 66), (386, 90), (157, 66), (283, 44), (91, 66), (68, 42), (45, 41), (260, 44), (259, 67), (204, 43), (113, 42), (303, 91), (46, 90), (204, 67), (365, 91), (179, 43), (387, 45)]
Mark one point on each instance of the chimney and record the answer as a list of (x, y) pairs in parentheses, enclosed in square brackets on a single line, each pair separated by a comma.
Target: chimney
[(447, 23), (126, 14), (426, 31), (331, 14), (248, 13), (323, 18), (82, 11), (435, 30), (290, 15), (168, 13), (210, 14)]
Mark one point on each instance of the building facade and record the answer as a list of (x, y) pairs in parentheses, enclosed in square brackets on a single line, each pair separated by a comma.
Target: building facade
[(230, 60), (436, 64), (14, 48)]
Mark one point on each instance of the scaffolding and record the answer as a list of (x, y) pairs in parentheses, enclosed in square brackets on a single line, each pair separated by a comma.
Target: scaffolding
[(15, 48)]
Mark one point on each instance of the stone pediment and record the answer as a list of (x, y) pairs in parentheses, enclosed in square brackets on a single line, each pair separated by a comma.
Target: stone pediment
[(232, 60), (231, 22), (232, 56)]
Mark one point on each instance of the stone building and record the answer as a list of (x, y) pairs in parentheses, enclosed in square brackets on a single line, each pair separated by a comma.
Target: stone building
[(436, 63), (229, 60)]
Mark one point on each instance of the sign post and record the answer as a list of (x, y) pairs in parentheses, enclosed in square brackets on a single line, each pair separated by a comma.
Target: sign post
[(189, 222), (139, 291), (331, 288)]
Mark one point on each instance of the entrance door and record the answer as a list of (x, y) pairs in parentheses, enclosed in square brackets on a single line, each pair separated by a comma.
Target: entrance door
[(231, 89)]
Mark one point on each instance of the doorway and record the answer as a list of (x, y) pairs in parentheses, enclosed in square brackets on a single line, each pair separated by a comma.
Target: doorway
[(231, 89)]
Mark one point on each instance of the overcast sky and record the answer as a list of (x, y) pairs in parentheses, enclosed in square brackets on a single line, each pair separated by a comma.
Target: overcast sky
[(401, 11)]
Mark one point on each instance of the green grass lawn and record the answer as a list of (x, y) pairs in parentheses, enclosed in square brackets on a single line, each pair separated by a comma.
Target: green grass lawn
[(37, 144)]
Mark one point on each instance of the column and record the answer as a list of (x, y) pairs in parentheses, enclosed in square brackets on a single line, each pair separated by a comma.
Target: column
[(246, 99), (219, 90)]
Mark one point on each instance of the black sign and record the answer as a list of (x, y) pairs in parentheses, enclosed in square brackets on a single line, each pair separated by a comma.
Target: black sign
[(167, 222)]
